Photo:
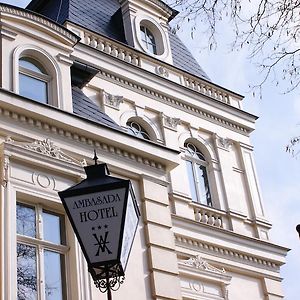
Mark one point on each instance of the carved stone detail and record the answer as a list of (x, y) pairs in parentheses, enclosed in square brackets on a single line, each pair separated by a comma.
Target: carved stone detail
[(47, 147), (4, 171), (43, 180), (170, 122), (112, 100), (199, 263), (162, 71), (224, 143), (174, 102)]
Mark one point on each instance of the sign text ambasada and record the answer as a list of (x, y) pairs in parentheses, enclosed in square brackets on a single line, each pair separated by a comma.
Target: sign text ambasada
[(97, 213)]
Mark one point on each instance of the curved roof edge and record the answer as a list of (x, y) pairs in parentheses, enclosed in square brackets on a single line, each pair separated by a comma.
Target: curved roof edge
[(33, 16)]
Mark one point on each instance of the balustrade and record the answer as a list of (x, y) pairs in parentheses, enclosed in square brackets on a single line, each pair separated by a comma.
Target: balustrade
[(132, 57), (208, 216)]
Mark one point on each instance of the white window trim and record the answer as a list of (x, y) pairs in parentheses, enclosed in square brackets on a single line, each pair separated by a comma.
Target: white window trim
[(40, 244), (199, 162), (158, 33), (48, 62)]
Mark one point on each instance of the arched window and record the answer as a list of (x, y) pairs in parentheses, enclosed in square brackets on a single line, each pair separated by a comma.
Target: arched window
[(33, 80), (148, 39), (136, 129), (197, 174)]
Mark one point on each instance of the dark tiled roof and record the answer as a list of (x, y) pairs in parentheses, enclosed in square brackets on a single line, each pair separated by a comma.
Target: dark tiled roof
[(84, 107), (104, 17)]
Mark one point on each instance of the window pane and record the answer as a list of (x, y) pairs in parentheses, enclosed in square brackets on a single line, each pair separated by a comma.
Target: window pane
[(26, 220), (33, 88), (26, 272), (52, 227), (53, 277), (143, 34), (150, 36), (191, 178), (32, 65), (137, 130), (203, 188)]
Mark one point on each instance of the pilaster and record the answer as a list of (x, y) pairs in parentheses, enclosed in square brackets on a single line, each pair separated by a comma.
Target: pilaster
[(160, 240)]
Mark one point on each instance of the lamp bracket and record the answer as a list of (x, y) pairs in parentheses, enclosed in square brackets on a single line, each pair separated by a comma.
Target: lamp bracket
[(112, 281)]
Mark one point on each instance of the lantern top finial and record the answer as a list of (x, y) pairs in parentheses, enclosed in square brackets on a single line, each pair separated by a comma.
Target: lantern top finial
[(95, 157)]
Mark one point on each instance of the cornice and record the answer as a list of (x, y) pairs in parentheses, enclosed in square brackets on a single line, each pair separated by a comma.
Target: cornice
[(227, 253), (31, 16), (71, 134), (216, 234), (117, 79)]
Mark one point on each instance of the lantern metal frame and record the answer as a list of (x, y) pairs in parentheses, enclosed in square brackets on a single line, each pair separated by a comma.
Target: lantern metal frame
[(109, 274)]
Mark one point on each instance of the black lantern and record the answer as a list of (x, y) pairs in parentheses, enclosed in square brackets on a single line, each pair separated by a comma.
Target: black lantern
[(104, 215)]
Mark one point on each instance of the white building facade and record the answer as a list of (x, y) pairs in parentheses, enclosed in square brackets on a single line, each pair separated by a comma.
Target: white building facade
[(110, 75)]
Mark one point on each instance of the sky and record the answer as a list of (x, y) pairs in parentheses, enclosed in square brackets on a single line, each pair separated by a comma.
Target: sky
[(279, 120)]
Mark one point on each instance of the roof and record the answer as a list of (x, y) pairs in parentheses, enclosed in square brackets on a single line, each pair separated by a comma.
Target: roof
[(84, 107), (105, 17)]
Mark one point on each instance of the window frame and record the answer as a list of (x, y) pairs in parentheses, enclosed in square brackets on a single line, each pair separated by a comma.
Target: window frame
[(41, 245), (159, 34), (43, 77), (196, 162), (147, 41), (140, 134)]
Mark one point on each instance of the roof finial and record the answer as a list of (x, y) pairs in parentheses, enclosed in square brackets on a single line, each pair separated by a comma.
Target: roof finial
[(95, 157)]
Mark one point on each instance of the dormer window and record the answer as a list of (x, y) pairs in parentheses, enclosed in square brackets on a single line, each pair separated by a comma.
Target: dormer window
[(33, 80), (148, 40)]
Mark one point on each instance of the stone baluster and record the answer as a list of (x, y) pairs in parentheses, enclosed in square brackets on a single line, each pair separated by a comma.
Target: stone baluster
[(218, 222), (87, 39), (101, 45), (127, 56), (93, 42), (211, 219), (107, 48), (114, 51), (197, 214), (204, 217), (121, 54), (135, 60)]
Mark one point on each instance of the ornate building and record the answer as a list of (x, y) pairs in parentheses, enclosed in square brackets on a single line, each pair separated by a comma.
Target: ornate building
[(111, 75)]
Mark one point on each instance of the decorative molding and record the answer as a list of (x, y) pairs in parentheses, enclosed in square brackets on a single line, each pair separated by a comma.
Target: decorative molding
[(223, 143), (4, 171), (43, 180), (224, 252), (162, 71), (10, 35), (133, 57), (82, 139), (174, 102), (170, 122), (47, 147), (39, 19), (112, 100), (65, 59), (199, 263)]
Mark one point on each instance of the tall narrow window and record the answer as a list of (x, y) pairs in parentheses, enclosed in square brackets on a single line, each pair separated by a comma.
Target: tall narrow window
[(33, 80), (40, 254), (197, 175), (148, 39), (136, 129)]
